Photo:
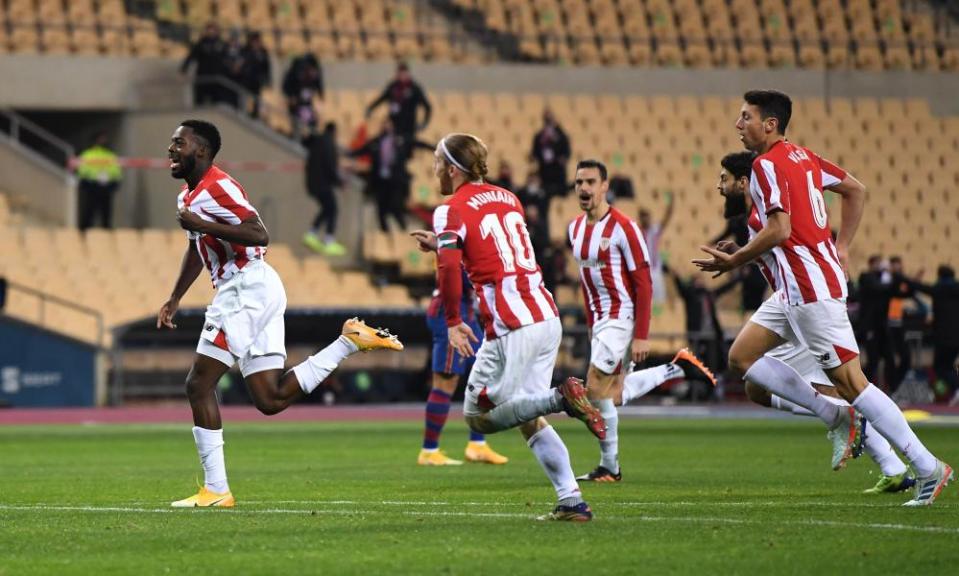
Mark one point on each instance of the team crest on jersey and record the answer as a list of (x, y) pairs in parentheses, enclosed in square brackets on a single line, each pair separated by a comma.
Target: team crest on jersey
[(604, 244)]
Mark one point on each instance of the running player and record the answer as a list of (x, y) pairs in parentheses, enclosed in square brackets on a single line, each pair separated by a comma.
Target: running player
[(809, 305), (482, 227), (244, 323), (448, 366), (733, 186), (615, 278)]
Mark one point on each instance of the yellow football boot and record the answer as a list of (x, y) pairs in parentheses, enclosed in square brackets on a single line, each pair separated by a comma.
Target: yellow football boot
[(367, 338), (481, 452), (206, 499), (436, 458)]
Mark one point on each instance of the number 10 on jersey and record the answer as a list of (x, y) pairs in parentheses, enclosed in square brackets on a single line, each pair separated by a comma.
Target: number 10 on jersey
[(512, 240)]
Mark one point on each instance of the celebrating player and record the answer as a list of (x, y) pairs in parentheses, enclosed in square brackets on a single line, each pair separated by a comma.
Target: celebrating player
[(482, 227), (734, 188), (244, 323), (809, 305), (448, 366), (617, 293)]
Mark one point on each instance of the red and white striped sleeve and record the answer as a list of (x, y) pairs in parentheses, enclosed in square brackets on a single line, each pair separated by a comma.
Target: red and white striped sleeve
[(230, 203), (770, 177), (636, 258), (450, 235), (832, 174), (447, 222)]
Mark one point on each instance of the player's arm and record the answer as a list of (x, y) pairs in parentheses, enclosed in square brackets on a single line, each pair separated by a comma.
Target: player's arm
[(668, 215), (853, 194), (190, 268), (777, 230), (249, 232), (635, 256)]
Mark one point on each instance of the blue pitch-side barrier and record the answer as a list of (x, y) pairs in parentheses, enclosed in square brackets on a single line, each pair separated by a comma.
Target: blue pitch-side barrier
[(41, 368)]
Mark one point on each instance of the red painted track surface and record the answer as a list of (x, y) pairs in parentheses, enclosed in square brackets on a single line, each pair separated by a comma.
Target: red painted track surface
[(180, 414)]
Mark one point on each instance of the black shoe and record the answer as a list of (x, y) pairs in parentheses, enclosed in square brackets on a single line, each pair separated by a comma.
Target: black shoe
[(578, 513), (602, 474)]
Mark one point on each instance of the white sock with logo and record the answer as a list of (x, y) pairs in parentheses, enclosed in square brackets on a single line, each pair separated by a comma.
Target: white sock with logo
[(886, 418), (781, 380), (313, 371), (609, 448), (209, 444), (522, 409), (553, 456), (639, 383)]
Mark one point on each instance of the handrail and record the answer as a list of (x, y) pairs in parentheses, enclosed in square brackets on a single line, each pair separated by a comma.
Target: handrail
[(18, 123), (43, 297)]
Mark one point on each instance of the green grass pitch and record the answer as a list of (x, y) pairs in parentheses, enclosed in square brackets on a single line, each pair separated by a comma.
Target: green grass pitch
[(698, 497)]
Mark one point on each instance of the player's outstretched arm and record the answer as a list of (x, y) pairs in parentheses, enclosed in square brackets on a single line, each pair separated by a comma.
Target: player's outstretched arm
[(250, 232), (425, 240), (190, 268), (777, 230), (853, 194)]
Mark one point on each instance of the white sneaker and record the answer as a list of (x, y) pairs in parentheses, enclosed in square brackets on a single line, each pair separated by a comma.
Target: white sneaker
[(844, 436), (929, 487)]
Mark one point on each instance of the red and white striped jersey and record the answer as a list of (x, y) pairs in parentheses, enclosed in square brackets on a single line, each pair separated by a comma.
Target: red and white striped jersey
[(791, 179), (613, 268), (488, 223), (220, 198)]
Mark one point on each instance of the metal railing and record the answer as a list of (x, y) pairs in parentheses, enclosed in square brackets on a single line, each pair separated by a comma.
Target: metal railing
[(22, 132), (45, 299)]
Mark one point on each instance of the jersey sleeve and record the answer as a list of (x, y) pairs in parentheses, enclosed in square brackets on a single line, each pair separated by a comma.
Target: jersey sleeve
[(636, 259), (448, 226), (832, 174), (229, 203), (770, 179)]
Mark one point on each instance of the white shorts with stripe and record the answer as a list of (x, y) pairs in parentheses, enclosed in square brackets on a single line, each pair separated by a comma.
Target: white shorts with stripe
[(822, 327), (610, 343), (517, 363), (244, 323)]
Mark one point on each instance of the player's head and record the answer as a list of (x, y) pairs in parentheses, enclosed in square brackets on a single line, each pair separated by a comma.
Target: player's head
[(592, 184), (459, 158), (763, 118), (734, 182), (193, 147)]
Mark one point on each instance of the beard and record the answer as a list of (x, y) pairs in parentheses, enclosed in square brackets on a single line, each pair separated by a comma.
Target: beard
[(446, 184), (734, 206), (187, 165)]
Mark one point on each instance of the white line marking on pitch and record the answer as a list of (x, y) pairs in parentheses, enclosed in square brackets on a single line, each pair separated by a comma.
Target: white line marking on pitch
[(676, 504), (689, 519)]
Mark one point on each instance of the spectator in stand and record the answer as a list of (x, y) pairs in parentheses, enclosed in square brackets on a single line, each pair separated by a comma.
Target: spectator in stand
[(900, 294), (98, 175), (542, 248), (405, 97), (653, 234), (207, 54), (322, 178), (389, 180), (232, 69), (302, 85), (876, 287), (255, 73), (703, 330), (945, 318), (504, 176), (551, 153), (532, 193)]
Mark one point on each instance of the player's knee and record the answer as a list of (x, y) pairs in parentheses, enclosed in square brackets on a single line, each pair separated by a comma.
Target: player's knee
[(740, 361), (757, 394), (196, 386), (269, 406)]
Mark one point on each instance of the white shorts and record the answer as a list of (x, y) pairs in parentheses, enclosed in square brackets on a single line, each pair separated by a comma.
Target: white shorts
[(610, 344), (800, 360), (823, 327), (244, 323), (517, 363)]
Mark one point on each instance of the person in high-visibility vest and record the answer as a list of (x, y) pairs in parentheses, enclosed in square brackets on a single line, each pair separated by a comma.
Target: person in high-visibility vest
[(98, 171)]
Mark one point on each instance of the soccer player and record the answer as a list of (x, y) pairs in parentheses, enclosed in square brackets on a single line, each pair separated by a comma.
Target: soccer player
[(617, 295), (244, 323), (809, 305), (733, 186), (448, 366), (482, 227)]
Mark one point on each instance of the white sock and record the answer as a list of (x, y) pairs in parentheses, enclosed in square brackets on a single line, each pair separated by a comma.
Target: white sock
[(882, 453), (521, 409), (313, 371), (886, 418), (553, 456), (609, 448), (639, 383), (784, 405), (209, 444), (781, 380)]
